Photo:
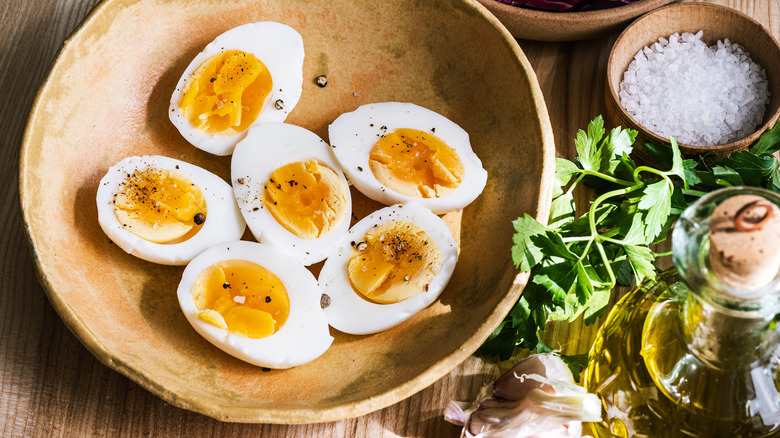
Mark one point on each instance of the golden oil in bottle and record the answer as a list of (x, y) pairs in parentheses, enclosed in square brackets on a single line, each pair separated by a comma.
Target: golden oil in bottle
[(690, 355)]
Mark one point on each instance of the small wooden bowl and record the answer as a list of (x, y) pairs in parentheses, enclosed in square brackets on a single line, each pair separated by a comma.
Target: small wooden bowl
[(533, 24), (717, 22)]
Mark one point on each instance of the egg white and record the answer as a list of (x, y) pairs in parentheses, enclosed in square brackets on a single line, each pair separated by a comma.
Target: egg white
[(279, 47), (223, 219), (348, 312), (353, 135), (266, 148), (305, 334)]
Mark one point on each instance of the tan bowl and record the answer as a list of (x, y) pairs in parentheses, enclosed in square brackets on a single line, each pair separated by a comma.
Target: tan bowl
[(532, 24), (717, 22), (106, 98)]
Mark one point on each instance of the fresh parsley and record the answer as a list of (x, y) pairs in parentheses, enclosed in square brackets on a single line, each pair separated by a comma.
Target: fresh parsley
[(575, 261)]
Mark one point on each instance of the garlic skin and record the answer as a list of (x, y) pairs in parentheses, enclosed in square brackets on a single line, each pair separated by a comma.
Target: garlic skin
[(537, 398)]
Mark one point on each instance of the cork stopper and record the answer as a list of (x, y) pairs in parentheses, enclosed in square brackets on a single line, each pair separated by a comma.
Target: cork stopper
[(745, 242)]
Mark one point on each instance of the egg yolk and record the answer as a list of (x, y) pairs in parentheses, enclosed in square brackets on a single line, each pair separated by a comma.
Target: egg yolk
[(306, 198), (242, 297), (416, 163), (160, 206), (393, 262), (226, 93)]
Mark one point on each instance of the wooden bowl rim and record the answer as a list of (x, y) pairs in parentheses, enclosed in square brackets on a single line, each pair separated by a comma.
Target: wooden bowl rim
[(688, 148), (583, 24), (618, 13), (288, 416)]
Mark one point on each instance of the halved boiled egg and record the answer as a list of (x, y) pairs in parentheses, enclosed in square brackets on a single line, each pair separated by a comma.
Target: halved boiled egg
[(255, 304), (248, 75), (291, 191), (392, 264), (165, 210), (398, 152)]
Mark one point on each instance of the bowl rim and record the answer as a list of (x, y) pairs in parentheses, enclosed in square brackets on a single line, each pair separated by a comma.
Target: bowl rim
[(617, 13), (541, 25), (193, 402), (771, 119)]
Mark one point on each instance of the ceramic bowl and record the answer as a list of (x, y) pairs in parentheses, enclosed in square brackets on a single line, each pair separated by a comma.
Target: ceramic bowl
[(107, 98), (533, 24), (717, 22)]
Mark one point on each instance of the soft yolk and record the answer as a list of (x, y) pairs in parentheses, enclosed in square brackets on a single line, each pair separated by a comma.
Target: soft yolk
[(160, 206), (416, 163), (226, 93), (393, 262), (306, 198), (241, 297)]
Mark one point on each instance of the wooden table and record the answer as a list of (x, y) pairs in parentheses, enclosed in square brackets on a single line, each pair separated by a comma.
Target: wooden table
[(49, 383)]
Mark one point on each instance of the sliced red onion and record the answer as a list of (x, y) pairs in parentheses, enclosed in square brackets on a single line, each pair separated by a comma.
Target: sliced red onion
[(568, 5)]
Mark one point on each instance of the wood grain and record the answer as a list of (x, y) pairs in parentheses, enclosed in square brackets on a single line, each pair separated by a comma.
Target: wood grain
[(51, 386)]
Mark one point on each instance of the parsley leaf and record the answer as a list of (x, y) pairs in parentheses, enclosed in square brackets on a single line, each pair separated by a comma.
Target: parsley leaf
[(576, 363), (768, 143), (596, 129), (589, 155), (656, 202), (525, 253), (753, 169), (565, 171), (558, 278), (561, 210), (641, 260)]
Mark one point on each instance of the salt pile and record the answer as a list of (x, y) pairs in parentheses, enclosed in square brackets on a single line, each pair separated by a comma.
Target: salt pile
[(679, 87)]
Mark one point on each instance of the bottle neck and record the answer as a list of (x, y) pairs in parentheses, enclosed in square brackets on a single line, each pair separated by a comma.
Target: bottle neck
[(725, 338), (727, 318)]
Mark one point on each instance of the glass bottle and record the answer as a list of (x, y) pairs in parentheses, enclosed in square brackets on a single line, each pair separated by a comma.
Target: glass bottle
[(695, 352)]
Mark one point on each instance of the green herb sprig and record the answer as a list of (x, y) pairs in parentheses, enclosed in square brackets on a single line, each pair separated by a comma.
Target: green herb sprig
[(576, 261)]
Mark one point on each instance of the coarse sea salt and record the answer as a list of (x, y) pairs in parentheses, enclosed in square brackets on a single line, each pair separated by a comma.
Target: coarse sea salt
[(705, 96)]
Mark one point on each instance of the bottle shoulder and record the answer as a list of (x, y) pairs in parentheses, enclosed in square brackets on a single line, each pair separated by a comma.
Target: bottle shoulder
[(643, 366)]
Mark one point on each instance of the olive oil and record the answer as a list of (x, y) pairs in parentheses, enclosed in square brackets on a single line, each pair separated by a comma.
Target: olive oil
[(687, 355)]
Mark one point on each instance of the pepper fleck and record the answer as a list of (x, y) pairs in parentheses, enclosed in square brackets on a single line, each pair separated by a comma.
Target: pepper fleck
[(324, 301), (322, 81), (267, 299), (279, 104), (199, 219)]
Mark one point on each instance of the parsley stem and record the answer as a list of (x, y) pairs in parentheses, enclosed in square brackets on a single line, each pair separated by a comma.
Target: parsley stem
[(576, 239), (602, 198), (692, 192), (611, 232), (583, 173), (574, 184), (607, 178), (607, 267), (662, 254), (604, 238), (586, 250), (640, 169)]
